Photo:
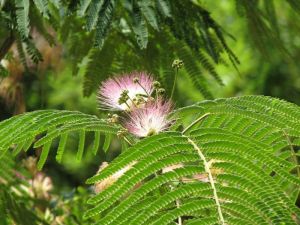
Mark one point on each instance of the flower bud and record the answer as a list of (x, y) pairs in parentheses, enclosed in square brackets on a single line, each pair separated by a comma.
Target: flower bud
[(136, 80), (156, 84), (177, 64), (122, 132), (113, 118), (161, 91)]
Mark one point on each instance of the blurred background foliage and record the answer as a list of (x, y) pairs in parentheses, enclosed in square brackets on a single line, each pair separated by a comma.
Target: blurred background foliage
[(54, 54)]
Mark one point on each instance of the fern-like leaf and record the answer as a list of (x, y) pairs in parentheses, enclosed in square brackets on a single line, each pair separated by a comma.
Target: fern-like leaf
[(34, 53), (148, 10), (42, 6), (84, 4), (139, 26), (164, 7), (92, 13), (235, 163), (228, 154), (49, 125), (22, 14), (104, 21)]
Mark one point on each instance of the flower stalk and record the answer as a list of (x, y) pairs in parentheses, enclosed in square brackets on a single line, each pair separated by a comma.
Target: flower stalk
[(177, 64)]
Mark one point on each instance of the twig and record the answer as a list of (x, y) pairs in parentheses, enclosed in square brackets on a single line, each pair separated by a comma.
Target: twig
[(126, 139), (6, 46), (193, 123)]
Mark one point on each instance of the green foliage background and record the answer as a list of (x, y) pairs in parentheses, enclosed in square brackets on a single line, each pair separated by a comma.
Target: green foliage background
[(229, 48)]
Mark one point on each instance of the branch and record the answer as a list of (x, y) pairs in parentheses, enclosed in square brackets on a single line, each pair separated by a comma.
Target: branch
[(6, 46)]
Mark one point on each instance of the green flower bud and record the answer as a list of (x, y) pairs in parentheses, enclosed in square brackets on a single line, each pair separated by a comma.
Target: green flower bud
[(161, 91), (156, 84), (177, 63)]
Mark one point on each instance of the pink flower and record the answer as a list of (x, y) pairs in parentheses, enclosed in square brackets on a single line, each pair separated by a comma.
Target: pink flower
[(134, 84), (40, 186), (150, 119)]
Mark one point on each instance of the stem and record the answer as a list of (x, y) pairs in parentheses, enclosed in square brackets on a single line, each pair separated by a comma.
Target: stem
[(174, 84), (179, 218), (127, 105), (126, 139), (177, 206), (293, 152), (202, 157), (195, 122), (131, 101), (211, 180), (143, 89)]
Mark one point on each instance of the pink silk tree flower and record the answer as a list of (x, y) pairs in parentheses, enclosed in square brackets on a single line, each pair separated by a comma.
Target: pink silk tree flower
[(150, 119), (131, 85)]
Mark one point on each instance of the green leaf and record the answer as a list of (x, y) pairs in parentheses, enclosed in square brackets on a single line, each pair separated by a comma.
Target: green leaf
[(22, 14), (229, 168), (107, 142), (44, 155), (3, 71), (23, 129), (164, 7), (139, 26), (84, 4), (42, 6), (34, 53), (61, 147), (235, 163), (96, 143), (104, 21), (80, 145), (148, 10), (93, 13)]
